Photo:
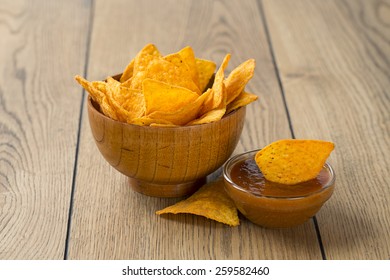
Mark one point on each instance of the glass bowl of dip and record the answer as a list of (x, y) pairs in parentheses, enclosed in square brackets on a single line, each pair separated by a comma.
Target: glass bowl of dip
[(270, 204)]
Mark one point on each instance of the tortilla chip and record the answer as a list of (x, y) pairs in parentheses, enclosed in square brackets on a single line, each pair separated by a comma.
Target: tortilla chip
[(211, 116), (107, 109), (141, 63), (98, 92), (218, 99), (167, 72), (128, 103), (95, 89), (293, 161), (185, 114), (115, 87), (127, 83), (163, 97), (144, 57), (135, 104), (128, 73), (121, 114), (210, 201), (188, 57), (145, 120), (205, 69), (238, 78), (242, 100)]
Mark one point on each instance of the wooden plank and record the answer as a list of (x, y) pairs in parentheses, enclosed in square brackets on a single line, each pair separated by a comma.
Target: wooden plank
[(39, 114), (333, 57), (112, 222)]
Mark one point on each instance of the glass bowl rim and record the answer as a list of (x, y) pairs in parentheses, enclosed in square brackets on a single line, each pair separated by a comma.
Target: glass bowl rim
[(234, 158)]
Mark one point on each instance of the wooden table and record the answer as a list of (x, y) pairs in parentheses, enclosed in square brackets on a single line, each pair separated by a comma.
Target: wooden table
[(322, 72)]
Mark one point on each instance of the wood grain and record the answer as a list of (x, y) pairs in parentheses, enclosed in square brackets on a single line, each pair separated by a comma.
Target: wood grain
[(112, 222), (39, 108), (333, 57)]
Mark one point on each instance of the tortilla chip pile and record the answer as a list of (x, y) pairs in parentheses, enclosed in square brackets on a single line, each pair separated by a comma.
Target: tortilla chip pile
[(293, 161), (172, 90), (210, 201)]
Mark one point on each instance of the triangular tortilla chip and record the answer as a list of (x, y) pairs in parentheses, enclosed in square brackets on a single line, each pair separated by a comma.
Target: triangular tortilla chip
[(292, 161), (242, 100), (218, 99), (238, 78), (188, 56), (210, 201), (205, 69), (185, 114), (128, 73), (160, 96), (211, 116)]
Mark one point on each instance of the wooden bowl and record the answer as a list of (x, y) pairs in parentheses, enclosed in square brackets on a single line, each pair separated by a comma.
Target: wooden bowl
[(165, 161)]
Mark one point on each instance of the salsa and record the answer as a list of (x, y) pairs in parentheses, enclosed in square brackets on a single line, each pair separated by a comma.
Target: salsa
[(248, 176)]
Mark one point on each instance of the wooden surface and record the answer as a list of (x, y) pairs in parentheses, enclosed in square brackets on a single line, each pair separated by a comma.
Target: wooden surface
[(322, 72), (39, 108)]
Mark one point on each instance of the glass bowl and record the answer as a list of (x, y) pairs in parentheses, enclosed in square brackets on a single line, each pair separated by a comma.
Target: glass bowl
[(270, 204)]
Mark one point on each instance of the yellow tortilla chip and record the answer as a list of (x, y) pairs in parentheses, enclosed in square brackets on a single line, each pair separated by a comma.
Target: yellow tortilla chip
[(95, 89), (128, 103), (141, 63), (145, 120), (238, 78), (293, 161), (144, 57), (98, 92), (127, 83), (128, 73), (115, 86), (112, 82), (218, 99), (167, 72), (188, 57), (242, 100), (211, 116), (184, 115), (163, 97), (108, 110), (177, 60), (134, 104), (205, 69), (121, 114), (210, 201), (219, 96)]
